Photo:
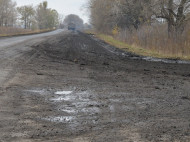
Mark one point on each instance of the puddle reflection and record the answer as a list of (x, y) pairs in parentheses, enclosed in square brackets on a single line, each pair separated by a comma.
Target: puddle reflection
[(63, 92), (86, 108), (62, 119)]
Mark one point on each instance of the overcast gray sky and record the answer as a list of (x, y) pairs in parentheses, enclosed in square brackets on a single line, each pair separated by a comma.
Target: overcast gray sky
[(64, 7)]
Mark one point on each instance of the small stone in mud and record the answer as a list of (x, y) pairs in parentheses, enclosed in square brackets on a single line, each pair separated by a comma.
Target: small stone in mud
[(186, 75), (185, 98), (146, 70), (83, 89), (157, 87), (39, 73), (82, 64), (16, 113), (90, 105), (106, 63)]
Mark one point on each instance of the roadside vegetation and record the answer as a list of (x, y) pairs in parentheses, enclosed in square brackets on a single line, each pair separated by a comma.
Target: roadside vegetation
[(10, 31), (158, 28), (27, 19)]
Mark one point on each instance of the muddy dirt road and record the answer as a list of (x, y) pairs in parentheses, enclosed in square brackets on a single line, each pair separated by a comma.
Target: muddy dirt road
[(71, 87)]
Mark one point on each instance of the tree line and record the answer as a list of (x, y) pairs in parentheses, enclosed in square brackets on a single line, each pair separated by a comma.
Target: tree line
[(39, 17), (132, 14), (160, 27)]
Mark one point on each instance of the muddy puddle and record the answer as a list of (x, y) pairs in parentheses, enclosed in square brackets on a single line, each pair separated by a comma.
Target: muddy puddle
[(62, 119), (169, 61), (63, 92), (153, 59), (62, 98), (36, 91), (77, 109)]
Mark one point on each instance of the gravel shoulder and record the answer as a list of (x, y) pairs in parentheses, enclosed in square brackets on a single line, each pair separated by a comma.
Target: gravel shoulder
[(73, 87)]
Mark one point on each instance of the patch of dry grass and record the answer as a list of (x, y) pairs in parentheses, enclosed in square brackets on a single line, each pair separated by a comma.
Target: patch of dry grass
[(149, 44), (9, 31)]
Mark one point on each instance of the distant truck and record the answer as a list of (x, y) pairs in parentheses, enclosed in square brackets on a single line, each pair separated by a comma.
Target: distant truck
[(71, 27)]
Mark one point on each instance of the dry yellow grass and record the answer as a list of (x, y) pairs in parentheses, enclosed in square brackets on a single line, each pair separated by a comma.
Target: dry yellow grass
[(8, 31), (134, 48)]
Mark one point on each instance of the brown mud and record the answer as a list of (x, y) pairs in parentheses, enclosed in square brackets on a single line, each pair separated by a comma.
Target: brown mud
[(75, 88)]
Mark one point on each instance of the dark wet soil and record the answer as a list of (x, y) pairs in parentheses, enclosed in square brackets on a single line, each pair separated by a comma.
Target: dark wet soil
[(76, 88)]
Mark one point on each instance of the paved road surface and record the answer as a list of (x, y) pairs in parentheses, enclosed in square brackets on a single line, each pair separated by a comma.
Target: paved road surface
[(13, 47)]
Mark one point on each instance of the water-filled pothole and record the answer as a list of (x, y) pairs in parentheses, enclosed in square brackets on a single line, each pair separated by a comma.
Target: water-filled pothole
[(63, 92), (63, 98), (61, 119)]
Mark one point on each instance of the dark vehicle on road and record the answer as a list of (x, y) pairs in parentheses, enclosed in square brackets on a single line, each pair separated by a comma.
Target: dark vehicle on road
[(71, 26)]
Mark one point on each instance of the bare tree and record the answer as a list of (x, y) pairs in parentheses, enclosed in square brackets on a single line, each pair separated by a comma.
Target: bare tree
[(8, 13), (106, 14), (26, 15), (46, 17), (175, 12), (102, 14)]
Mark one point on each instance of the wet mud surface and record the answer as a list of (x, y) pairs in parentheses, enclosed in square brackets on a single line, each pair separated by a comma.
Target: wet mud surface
[(75, 88)]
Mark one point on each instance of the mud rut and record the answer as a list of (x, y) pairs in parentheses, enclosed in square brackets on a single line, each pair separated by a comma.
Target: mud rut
[(74, 87)]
